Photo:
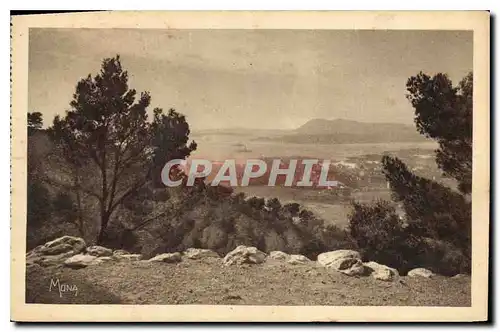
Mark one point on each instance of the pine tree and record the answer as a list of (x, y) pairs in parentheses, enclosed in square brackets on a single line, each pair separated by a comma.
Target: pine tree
[(107, 138), (433, 212)]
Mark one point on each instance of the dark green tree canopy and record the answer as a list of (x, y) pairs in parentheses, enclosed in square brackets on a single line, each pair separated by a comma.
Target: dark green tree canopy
[(107, 128), (444, 112), (35, 122), (435, 230), (432, 209)]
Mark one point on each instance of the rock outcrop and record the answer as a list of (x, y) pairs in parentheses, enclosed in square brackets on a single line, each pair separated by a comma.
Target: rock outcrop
[(55, 252), (420, 272), (381, 272), (167, 258), (194, 253), (244, 255)]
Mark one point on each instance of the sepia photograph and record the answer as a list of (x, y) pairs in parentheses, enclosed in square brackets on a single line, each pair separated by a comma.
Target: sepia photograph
[(256, 165)]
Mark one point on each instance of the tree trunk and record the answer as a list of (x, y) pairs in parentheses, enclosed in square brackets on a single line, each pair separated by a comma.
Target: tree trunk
[(81, 229), (102, 231)]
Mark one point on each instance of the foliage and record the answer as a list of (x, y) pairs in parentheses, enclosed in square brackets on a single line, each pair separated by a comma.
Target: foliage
[(444, 112), (64, 205), (208, 218), (381, 236), (435, 231), (107, 133), (35, 122), (432, 210), (39, 204)]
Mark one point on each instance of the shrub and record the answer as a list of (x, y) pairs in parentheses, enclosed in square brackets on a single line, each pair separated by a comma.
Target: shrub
[(379, 233), (382, 236), (212, 220), (442, 257)]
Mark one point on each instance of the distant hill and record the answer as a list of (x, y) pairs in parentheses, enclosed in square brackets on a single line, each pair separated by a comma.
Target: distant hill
[(238, 132), (321, 131)]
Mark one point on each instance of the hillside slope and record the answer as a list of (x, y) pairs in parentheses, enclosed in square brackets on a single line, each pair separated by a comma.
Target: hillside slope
[(208, 282), (321, 131)]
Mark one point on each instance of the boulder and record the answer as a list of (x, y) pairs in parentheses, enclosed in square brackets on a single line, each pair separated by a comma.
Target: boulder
[(381, 272), (279, 255), (167, 258), (79, 261), (244, 255), (339, 259), (298, 259), (194, 253), (347, 262), (56, 251), (420, 272), (99, 251), (62, 245), (357, 269)]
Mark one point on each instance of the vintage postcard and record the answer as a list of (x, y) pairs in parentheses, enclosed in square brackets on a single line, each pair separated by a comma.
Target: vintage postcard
[(250, 166)]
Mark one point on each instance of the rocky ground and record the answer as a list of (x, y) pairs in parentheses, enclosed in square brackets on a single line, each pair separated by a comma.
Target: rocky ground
[(208, 281)]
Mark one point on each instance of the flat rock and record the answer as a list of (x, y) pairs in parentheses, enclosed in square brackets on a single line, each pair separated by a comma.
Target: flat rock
[(79, 261), (195, 253), (420, 272), (167, 258)]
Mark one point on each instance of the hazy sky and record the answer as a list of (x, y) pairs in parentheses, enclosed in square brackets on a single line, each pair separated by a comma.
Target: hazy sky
[(250, 78)]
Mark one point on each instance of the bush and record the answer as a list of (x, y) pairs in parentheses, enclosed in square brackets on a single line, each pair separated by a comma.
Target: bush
[(382, 236), (379, 233), (208, 218), (432, 210), (442, 257)]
